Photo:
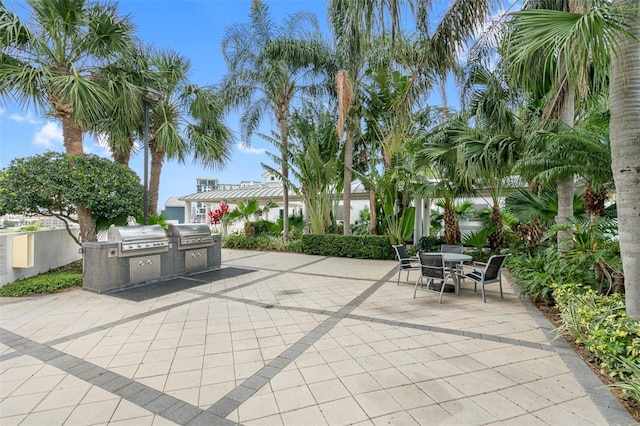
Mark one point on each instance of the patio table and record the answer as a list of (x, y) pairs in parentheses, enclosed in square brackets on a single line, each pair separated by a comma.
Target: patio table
[(450, 261)]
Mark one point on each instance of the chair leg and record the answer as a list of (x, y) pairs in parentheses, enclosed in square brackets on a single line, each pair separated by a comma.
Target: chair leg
[(501, 295), (484, 299), (415, 289), (399, 272)]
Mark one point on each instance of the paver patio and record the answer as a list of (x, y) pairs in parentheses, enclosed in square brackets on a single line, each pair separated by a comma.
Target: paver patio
[(281, 338)]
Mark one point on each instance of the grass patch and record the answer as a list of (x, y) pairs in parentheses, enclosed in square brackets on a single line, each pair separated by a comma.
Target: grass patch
[(49, 282)]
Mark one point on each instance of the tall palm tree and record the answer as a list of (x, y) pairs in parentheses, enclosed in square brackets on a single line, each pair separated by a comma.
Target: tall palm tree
[(440, 156), (186, 121), (313, 157), (268, 66), (606, 34), (53, 65)]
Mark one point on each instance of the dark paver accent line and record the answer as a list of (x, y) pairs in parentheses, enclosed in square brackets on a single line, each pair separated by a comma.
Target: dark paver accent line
[(603, 399), (234, 399), (432, 329), (317, 274), (79, 334), (150, 399)]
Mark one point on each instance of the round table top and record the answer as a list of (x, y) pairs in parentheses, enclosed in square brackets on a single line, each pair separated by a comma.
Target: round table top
[(455, 257)]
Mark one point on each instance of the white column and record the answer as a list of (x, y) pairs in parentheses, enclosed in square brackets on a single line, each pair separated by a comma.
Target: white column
[(187, 212), (417, 229), (426, 206)]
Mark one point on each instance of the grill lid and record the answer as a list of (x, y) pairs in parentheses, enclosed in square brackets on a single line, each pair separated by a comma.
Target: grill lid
[(188, 230), (136, 233)]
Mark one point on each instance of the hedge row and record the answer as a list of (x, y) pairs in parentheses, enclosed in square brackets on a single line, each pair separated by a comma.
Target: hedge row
[(356, 246)]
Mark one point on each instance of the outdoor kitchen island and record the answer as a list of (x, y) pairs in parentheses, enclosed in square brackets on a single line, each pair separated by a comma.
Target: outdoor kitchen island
[(140, 255)]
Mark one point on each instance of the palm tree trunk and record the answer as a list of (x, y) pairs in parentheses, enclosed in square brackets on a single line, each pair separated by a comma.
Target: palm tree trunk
[(282, 117), (122, 156), (373, 213), (495, 239), (566, 188), (594, 202), (72, 136), (157, 160), (450, 224), (625, 152), (346, 203)]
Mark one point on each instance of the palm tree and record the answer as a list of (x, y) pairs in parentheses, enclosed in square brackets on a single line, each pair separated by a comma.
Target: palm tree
[(186, 120), (606, 34), (313, 157), (54, 65), (268, 66), (441, 157)]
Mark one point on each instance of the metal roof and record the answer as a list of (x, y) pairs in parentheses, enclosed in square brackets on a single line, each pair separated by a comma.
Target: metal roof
[(269, 190), (173, 202)]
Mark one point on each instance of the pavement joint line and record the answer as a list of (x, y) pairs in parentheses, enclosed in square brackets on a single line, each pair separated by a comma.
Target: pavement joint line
[(77, 335), (316, 274), (607, 404), (235, 398), (137, 393), (611, 409), (470, 334)]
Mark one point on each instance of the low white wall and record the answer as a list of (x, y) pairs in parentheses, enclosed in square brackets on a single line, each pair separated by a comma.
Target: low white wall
[(52, 249)]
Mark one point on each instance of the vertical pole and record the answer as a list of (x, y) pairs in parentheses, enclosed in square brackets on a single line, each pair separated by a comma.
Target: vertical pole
[(146, 164)]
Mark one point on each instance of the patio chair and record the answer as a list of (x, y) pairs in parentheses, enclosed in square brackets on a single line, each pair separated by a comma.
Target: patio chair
[(484, 273), (450, 248), (432, 268), (405, 262)]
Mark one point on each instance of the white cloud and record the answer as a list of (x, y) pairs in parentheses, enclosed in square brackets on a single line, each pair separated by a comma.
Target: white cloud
[(249, 150), (1, 111), (98, 149), (27, 118), (48, 136)]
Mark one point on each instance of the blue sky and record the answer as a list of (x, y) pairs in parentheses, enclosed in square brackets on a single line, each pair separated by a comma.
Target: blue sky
[(192, 27)]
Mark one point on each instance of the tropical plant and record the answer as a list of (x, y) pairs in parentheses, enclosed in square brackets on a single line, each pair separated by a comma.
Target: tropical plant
[(186, 120), (245, 211), (268, 66), (54, 63), (604, 39), (439, 156), (313, 158)]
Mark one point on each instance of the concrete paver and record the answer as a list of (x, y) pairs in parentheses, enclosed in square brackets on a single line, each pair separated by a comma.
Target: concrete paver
[(289, 339)]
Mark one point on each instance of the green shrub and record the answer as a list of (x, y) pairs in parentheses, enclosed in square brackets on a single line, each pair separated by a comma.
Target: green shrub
[(294, 246), (430, 244), (532, 276), (260, 242), (599, 323), (356, 246), (261, 227), (49, 282)]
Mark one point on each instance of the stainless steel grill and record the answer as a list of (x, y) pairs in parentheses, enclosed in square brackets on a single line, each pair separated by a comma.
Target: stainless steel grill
[(191, 235), (139, 240)]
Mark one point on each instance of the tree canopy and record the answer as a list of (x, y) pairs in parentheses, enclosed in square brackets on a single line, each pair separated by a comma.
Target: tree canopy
[(54, 184)]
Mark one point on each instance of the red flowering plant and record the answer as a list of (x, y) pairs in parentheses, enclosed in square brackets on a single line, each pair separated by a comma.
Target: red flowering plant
[(216, 217)]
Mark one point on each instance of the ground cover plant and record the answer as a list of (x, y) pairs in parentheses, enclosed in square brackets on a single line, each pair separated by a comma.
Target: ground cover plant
[(55, 280)]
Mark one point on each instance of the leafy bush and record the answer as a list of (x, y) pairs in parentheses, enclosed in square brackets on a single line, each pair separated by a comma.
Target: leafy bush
[(429, 244), (49, 282), (356, 246), (262, 227), (532, 276), (600, 324), (262, 242)]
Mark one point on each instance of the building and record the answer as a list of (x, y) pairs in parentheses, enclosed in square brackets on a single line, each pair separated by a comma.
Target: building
[(199, 211)]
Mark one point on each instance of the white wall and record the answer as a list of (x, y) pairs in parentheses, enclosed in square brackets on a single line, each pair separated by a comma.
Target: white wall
[(52, 249)]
